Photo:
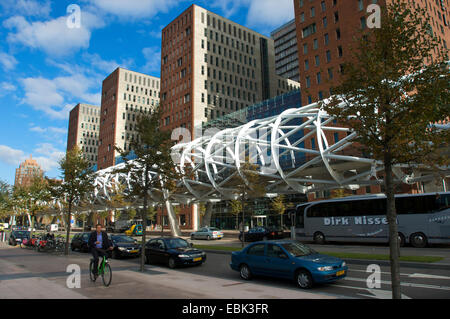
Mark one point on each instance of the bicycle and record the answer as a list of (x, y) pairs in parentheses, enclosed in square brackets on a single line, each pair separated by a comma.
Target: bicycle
[(104, 270)]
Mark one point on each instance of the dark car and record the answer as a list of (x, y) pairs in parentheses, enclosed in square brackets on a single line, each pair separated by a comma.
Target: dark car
[(290, 260), (80, 242), (124, 246), (261, 233), (17, 236), (173, 251)]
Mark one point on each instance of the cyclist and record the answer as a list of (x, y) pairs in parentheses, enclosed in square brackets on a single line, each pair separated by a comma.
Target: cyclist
[(99, 243)]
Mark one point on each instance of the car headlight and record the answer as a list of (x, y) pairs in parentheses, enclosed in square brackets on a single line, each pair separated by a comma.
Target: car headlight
[(122, 248), (344, 264), (203, 253), (326, 268), (184, 256)]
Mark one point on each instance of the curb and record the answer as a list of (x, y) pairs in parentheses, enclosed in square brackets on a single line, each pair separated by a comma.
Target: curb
[(405, 264)]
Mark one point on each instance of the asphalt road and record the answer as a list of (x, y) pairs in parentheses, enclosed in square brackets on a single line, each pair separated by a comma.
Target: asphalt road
[(416, 283)]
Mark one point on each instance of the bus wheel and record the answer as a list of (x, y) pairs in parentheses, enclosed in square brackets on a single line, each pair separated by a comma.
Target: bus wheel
[(319, 238), (418, 240), (401, 240)]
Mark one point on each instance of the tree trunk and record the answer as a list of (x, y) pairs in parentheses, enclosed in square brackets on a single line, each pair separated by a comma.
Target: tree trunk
[(393, 229), (32, 225), (207, 217), (144, 231), (243, 219), (69, 217)]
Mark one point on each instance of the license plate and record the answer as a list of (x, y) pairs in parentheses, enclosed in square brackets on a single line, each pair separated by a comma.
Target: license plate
[(198, 259), (340, 273), (134, 251)]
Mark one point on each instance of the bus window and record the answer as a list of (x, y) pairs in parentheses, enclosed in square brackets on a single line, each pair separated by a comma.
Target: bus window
[(300, 217), (442, 201)]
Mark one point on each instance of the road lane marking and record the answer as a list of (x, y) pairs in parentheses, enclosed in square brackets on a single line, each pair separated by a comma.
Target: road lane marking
[(375, 293), (426, 276), (406, 284)]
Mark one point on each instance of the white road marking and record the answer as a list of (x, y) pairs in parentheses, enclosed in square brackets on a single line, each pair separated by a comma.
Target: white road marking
[(428, 276), (375, 293), (406, 284)]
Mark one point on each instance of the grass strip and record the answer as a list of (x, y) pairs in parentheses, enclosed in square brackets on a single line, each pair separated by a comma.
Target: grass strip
[(421, 259)]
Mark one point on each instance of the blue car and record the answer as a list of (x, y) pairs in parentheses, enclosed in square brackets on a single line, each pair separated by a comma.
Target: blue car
[(288, 259)]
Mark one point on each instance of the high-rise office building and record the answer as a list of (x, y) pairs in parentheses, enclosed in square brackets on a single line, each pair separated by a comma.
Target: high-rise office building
[(27, 172), (84, 130), (286, 53), (211, 66), (326, 29), (125, 95)]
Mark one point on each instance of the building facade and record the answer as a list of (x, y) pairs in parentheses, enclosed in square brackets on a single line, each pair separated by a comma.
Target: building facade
[(286, 51), (210, 67), (125, 95), (84, 131), (325, 32), (27, 172)]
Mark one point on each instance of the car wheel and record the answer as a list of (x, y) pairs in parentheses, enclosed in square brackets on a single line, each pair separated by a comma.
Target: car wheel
[(319, 238), (192, 237), (114, 255), (304, 279), (72, 247), (244, 272), (171, 263), (419, 240)]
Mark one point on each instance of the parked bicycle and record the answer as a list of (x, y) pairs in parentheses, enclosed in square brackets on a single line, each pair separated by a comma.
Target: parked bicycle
[(104, 270)]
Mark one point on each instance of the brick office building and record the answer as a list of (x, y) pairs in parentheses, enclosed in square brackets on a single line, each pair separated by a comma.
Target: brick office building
[(84, 129), (325, 31)]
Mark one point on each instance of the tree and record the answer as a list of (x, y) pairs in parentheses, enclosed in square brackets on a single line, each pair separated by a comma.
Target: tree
[(338, 193), (78, 181), (37, 197), (152, 147), (279, 206), (392, 89), (236, 210), (247, 186), (5, 199)]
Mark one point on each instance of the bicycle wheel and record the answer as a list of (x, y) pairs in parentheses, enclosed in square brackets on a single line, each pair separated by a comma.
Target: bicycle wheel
[(91, 273), (107, 275)]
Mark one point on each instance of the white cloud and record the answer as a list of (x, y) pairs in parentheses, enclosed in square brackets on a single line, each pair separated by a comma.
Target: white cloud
[(262, 14), (134, 9), (53, 96), (49, 156), (270, 13), (8, 86), (152, 56), (7, 61), (45, 154), (51, 129), (26, 7), (97, 62), (11, 156), (53, 36)]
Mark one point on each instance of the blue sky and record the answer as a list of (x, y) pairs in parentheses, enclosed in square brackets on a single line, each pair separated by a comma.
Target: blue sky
[(47, 68)]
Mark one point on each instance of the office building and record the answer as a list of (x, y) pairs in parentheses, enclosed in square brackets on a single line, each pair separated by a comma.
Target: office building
[(125, 95), (286, 53), (27, 172), (84, 130)]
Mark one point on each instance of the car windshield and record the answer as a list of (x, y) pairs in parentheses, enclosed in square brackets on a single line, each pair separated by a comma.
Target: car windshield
[(177, 243), (21, 233), (298, 250), (122, 239)]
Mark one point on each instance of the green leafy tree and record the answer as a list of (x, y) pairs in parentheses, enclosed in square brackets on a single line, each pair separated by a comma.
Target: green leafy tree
[(394, 86), (152, 147), (249, 185), (37, 197), (5, 200), (78, 182), (279, 206)]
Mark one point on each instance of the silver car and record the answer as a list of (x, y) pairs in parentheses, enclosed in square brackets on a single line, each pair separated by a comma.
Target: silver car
[(207, 233)]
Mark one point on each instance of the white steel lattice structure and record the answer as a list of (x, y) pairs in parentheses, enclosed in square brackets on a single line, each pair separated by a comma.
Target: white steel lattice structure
[(276, 145)]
